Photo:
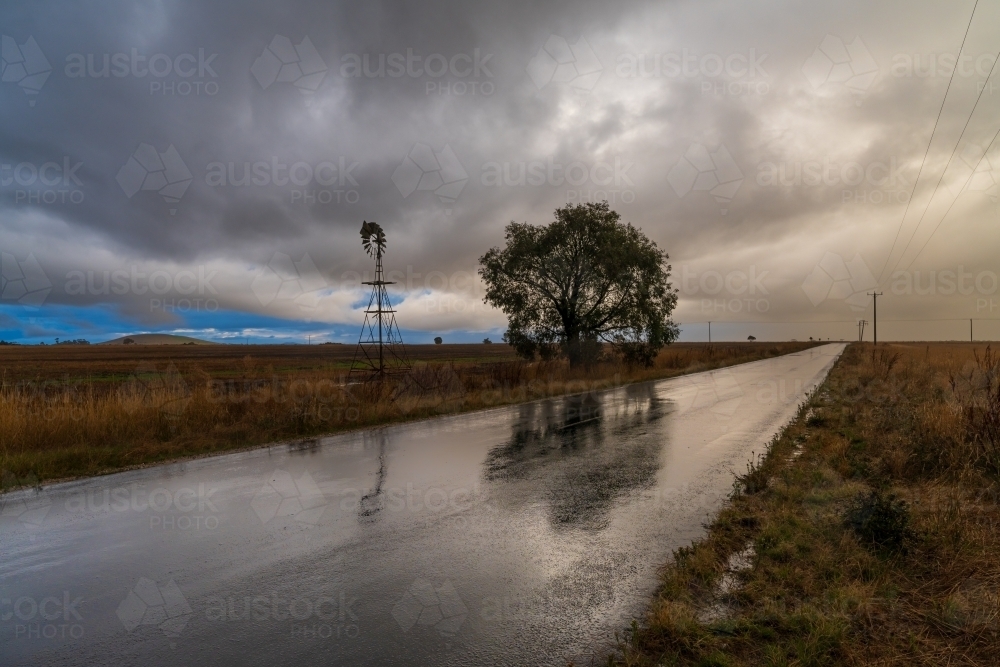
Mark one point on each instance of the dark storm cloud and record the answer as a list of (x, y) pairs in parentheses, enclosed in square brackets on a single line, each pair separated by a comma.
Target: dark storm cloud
[(444, 121)]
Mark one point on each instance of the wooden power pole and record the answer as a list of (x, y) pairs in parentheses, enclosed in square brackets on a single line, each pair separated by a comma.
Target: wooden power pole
[(875, 296)]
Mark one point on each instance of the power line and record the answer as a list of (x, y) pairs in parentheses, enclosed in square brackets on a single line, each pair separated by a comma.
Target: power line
[(952, 157), (967, 181), (858, 322), (931, 141)]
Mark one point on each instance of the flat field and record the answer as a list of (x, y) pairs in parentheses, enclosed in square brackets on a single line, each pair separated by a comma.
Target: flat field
[(74, 410)]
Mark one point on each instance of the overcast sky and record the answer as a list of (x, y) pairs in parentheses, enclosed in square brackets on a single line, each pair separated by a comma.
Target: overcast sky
[(204, 168)]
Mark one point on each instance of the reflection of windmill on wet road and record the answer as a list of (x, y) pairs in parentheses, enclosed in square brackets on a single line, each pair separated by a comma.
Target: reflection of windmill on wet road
[(371, 503), (380, 350)]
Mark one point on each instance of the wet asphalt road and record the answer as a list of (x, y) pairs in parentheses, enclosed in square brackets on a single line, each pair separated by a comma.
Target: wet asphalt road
[(522, 535)]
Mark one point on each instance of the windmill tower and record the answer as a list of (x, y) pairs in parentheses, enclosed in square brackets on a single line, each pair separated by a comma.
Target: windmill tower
[(380, 350)]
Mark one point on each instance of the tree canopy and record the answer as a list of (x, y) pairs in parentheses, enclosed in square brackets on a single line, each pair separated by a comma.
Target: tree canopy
[(585, 278)]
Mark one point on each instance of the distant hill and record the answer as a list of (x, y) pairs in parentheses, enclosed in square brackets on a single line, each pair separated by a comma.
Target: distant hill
[(158, 339)]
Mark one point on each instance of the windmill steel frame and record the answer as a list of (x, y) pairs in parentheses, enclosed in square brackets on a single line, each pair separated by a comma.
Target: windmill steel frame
[(380, 351)]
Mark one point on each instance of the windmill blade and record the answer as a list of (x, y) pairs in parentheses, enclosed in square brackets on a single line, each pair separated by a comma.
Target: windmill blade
[(368, 229)]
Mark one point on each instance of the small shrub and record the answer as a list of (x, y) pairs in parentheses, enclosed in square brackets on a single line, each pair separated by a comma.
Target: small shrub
[(638, 353), (816, 421), (880, 520), (754, 480)]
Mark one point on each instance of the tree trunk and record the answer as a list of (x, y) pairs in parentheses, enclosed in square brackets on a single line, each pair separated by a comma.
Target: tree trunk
[(574, 350), (581, 350)]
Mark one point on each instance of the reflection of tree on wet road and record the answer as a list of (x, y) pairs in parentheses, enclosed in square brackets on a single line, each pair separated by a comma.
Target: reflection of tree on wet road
[(591, 451)]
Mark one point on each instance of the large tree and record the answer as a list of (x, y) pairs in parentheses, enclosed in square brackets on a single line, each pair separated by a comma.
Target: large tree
[(585, 278)]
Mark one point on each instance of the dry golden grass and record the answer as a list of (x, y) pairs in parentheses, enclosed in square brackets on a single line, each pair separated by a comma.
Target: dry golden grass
[(917, 423), (75, 410)]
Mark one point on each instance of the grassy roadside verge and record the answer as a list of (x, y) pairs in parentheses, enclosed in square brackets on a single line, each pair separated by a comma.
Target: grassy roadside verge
[(189, 406), (866, 536)]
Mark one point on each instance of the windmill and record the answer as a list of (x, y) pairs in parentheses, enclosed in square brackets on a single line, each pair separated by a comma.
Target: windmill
[(380, 350)]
